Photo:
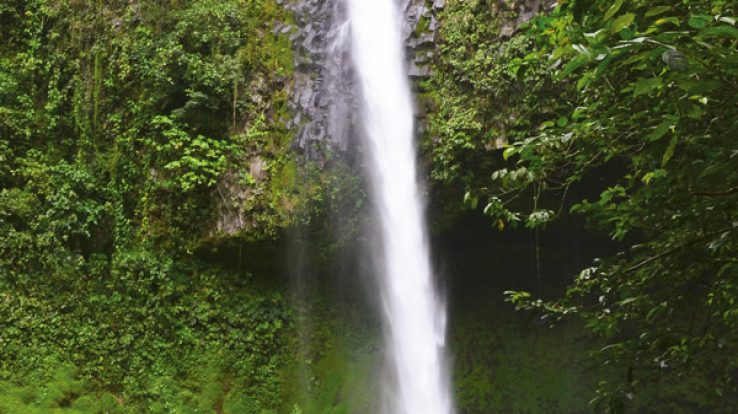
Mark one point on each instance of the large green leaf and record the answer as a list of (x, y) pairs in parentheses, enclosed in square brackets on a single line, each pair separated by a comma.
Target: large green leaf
[(719, 31), (622, 22), (573, 65), (669, 153), (671, 19), (613, 9), (699, 21), (660, 131)]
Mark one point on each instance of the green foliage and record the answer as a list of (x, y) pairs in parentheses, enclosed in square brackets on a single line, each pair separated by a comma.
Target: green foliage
[(514, 369), (484, 92), (194, 161), (634, 100), (150, 99), (337, 364), (146, 332), (118, 125), (47, 220), (57, 391)]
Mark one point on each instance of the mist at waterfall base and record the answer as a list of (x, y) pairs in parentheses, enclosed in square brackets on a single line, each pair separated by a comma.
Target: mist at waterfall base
[(414, 314)]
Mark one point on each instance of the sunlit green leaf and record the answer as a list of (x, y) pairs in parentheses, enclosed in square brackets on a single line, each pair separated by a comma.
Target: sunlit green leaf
[(613, 10), (622, 22), (572, 66), (673, 20)]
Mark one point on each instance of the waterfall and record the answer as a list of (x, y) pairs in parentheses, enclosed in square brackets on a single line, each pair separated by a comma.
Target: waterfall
[(415, 315)]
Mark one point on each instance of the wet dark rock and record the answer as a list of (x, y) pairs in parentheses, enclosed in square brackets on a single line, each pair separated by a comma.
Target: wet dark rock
[(321, 93), (425, 40), (316, 78), (418, 72)]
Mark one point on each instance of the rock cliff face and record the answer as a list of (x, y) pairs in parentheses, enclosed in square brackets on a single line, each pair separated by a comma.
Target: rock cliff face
[(315, 77), (322, 107), (322, 93), (322, 101), (422, 24)]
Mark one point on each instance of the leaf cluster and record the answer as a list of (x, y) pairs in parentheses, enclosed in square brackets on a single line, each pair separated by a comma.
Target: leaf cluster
[(635, 102)]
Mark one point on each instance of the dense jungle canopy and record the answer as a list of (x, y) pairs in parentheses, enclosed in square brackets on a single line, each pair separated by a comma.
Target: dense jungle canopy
[(582, 173)]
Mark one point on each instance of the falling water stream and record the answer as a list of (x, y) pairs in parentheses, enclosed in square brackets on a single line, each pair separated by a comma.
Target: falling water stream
[(415, 315)]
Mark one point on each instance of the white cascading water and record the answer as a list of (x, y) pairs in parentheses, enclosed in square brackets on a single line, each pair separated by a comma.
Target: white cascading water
[(415, 315)]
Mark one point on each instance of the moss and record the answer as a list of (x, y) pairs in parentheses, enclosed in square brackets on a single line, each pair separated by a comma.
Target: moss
[(423, 25), (285, 55), (59, 391), (336, 366), (503, 364), (523, 372)]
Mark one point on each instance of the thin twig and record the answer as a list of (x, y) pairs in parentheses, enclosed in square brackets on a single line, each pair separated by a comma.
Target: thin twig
[(677, 248), (716, 193)]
